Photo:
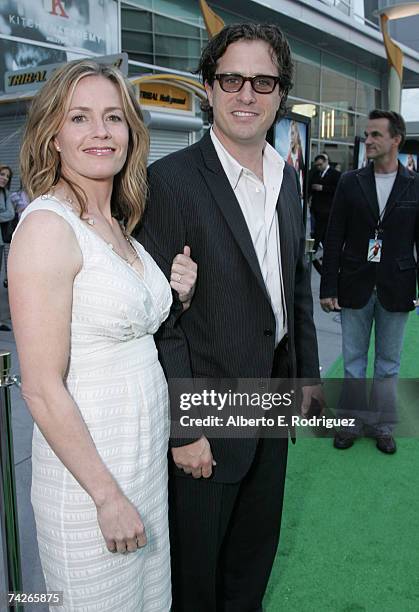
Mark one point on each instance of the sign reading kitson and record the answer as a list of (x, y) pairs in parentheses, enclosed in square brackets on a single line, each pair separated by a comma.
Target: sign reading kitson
[(165, 95)]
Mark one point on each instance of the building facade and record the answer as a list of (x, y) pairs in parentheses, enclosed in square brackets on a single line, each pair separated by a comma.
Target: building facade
[(340, 63)]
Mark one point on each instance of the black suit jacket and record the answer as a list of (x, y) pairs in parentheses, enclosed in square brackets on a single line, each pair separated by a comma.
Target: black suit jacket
[(229, 330), (347, 274), (321, 201)]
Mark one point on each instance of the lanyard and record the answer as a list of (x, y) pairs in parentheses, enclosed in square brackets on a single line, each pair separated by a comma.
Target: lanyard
[(378, 229)]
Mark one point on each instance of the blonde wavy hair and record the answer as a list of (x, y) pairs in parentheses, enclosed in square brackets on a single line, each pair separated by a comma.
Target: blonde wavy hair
[(40, 162)]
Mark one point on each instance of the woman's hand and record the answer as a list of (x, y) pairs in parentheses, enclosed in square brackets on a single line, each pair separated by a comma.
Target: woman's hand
[(183, 277), (120, 524)]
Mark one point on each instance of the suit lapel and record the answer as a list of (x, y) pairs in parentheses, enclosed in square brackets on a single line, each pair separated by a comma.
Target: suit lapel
[(366, 180), (285, 237), (402, 182), (223, 194)]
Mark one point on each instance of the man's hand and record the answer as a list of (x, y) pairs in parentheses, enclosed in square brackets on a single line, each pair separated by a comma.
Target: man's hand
[(195, 458), (317, 187), (310, 393), (330, 304)]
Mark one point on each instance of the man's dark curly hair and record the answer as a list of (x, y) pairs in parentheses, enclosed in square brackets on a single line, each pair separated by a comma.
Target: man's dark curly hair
[(270, 33)]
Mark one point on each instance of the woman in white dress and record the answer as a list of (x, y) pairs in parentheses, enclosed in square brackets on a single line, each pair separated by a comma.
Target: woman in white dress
[(86, 300)]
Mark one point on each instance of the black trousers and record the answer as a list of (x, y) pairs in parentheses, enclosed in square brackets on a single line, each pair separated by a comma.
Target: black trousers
[(320, 229), (224, 536)]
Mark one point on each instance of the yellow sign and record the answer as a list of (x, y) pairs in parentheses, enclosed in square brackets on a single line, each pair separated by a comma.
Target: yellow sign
[(25, 78), (165, 95)]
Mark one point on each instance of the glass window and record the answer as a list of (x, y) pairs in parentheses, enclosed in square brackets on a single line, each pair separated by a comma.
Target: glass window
[(172, 43), (365, 97), (336, 125), (135, 43), (343, 6), (141, 57), (338, 90), (164, 25), (368, 76), (338, 154), (308, 110), (167, 45), (305, 51), (361, 124), (306, 81), (136, 19), (314, 150), (177, 63), (339, 64)]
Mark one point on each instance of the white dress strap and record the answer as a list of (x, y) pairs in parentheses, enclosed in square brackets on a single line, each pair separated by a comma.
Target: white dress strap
[(50, 203)]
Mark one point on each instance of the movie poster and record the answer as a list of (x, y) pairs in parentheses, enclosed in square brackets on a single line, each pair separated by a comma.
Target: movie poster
[(409, 161), (290, 141), (291, 138)]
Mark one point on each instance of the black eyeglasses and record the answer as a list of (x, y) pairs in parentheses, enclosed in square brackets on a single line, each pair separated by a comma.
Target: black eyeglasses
[(261, 83)]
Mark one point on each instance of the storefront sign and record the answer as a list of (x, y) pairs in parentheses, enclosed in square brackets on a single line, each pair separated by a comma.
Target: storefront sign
[(31, 79), (83, 24), (165, 95), (28, 79)]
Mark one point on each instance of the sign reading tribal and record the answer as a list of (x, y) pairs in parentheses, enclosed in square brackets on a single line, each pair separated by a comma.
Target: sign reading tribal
[(30, 79)]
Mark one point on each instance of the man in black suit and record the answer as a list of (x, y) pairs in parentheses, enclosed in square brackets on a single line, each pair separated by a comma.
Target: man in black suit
[(323, 183), (237, 205), (370, 272)]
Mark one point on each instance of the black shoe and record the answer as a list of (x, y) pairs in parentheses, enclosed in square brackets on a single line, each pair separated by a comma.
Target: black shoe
[(343, 440), (5, 283), (386, 444), (4, 327)]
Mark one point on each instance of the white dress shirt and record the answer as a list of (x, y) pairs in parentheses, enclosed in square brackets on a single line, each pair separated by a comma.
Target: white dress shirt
[(324, 171), (258, 200)]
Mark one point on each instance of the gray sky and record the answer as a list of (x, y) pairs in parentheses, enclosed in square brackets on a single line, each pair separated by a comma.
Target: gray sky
[(410, 104)]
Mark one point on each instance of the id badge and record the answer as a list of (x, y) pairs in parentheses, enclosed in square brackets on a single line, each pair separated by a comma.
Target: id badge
[(374, 250)]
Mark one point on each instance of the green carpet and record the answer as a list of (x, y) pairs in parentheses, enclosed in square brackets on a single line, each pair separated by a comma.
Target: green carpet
[(350, 530)]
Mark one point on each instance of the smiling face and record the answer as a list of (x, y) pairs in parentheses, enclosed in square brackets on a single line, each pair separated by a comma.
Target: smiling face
[(380, 144), (93, 140), (4, 177), (244, 117)]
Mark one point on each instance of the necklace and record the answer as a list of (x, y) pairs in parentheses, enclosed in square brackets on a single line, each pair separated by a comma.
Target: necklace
[(90, 221)]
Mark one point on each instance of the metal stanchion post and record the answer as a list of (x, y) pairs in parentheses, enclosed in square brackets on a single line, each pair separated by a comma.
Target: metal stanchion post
[(8, 506)]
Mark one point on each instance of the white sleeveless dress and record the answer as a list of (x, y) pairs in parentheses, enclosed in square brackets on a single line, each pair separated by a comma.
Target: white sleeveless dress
[(116, 380)]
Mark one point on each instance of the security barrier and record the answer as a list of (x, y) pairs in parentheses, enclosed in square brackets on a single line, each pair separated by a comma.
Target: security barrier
[(8, 507)]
